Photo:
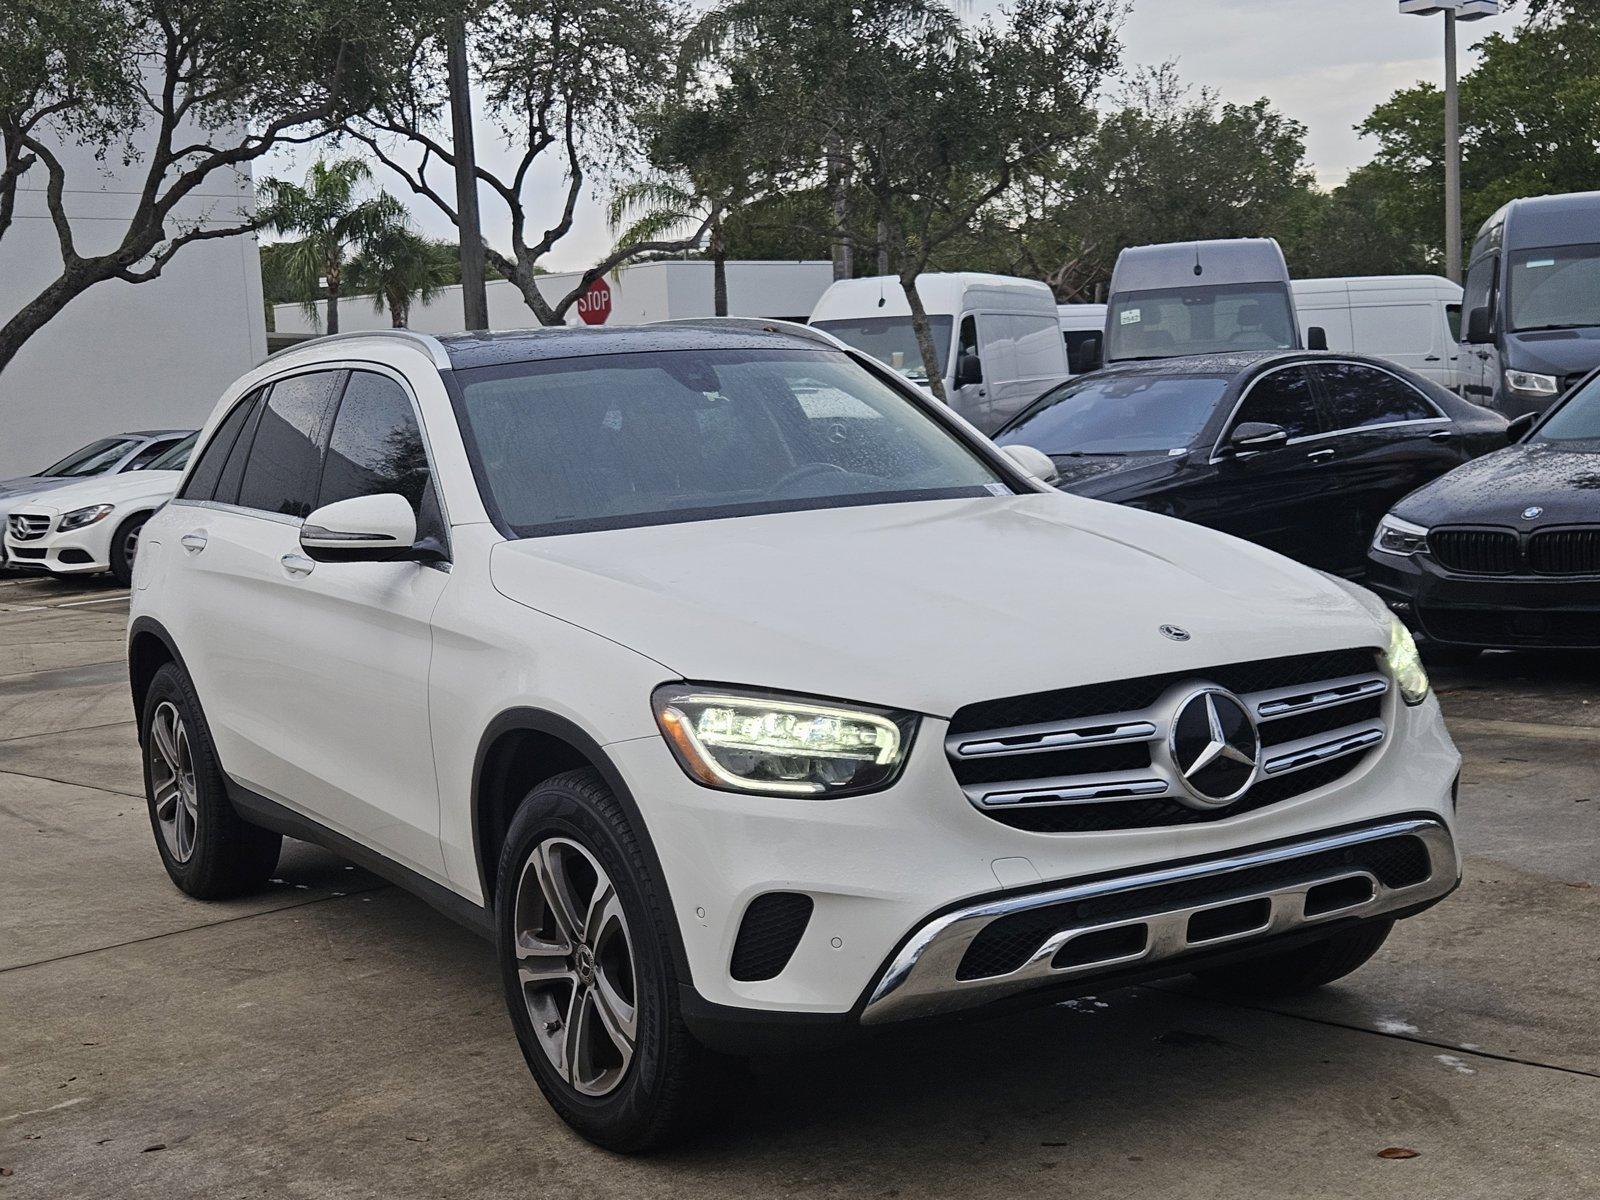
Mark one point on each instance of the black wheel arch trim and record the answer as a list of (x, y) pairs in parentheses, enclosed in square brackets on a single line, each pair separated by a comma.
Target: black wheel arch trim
[(538, 720), (153, 627)]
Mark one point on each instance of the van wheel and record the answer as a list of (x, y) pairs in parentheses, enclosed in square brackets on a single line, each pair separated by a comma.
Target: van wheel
[(1302, 969), (582, 936), (208, 850), (124, 545)]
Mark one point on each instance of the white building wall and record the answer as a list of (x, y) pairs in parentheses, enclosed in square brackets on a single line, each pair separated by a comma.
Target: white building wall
[(656, 291), (124, 356)]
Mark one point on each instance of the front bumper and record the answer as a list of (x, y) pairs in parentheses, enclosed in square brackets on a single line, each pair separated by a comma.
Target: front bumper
[(73, 552), (1488, 611), (884, 868)]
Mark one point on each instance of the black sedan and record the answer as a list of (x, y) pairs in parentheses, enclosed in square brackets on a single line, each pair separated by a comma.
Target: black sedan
[(1505, 551), (1302, 452)]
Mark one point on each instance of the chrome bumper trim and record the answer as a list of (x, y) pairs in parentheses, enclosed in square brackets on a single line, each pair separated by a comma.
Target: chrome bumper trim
[(921, 979)]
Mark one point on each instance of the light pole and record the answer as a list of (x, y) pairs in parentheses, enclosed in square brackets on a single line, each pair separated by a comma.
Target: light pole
[(1453, 10)]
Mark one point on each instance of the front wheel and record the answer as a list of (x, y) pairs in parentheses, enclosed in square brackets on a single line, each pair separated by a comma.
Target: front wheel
[(1302, 969), (588, 971), (124, 545)]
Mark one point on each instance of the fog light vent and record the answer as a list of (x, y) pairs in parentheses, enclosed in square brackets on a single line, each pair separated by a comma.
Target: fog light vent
[(771, 929)]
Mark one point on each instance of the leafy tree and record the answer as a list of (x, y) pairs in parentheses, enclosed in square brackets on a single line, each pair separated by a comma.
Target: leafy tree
[(332, 222), (187, 93), (565, 85), (401, 267)]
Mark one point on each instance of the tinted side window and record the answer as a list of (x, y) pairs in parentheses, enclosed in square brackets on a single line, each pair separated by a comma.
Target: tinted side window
[(150, 453), (1283, 398), (202, 481), (1357, 395), (376, 446), (286, 459)]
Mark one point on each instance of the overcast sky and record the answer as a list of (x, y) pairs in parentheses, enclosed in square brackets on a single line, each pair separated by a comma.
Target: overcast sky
[(1324, 62)]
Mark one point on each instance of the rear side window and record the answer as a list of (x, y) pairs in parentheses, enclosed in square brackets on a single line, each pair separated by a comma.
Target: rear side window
[(376, 446), (1284, 397), (285, 464), (150, 453), (1358, 396), (202, 481)]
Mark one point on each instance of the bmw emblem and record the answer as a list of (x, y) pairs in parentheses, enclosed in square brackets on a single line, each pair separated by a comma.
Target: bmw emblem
[(1175, 632), (1532, 513)]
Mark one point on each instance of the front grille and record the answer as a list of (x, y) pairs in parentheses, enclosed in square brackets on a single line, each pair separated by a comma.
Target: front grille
[(1008, 942), (1512, 627), (768, 935), (1095, 757), (1475, 551), (27, 527), (1565, 552)]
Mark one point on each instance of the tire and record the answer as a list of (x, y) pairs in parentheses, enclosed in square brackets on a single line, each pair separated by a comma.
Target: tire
[(208, 850), (1302, 969), (124, 543), (571, 830)]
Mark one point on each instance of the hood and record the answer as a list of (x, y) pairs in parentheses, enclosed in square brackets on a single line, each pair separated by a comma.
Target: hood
[(1559, 352), (28, 485), (1108, 476), (1561, 478), (928, 606), (104, 489)]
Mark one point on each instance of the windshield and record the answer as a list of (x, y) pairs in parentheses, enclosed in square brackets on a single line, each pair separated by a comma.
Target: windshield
[(94, 459), (1556, 287), (175, 459), (892, 341), (1168, 322), (1133, 414), (614, 440), (1578, 420)]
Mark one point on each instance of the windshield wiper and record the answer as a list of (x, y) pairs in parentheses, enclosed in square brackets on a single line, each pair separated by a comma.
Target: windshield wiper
[(1548, 328)]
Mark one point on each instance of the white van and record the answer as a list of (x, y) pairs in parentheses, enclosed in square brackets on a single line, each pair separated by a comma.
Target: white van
[(1411, 320), (1000, 337), (1083, 330)]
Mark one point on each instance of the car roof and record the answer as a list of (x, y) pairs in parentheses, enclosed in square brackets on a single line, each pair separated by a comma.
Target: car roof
[(1232, 363), (468, 350), (155, 433)]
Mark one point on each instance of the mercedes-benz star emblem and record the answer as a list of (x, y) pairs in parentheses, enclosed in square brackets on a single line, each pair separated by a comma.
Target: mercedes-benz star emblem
[(1176, 632), (1532, 513), (1215, 747)]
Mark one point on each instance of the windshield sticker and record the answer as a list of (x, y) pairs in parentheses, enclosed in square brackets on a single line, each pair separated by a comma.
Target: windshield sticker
[(1130, 316), (997, 489), (1540, 262)]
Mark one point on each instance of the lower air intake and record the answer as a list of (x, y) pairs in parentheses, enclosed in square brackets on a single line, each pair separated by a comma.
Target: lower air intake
[(772, 927)]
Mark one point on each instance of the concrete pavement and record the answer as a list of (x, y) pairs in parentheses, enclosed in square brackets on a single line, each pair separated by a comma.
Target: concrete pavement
[(334, 1037)]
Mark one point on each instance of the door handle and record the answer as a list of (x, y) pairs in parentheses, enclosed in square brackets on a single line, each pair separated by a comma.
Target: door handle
[(193, 542), (1319, 455), (297, 564), (1431, 358), (1441, 435)]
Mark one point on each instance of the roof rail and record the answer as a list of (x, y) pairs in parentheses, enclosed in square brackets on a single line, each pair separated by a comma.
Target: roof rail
[(428, 344), (768, 324)]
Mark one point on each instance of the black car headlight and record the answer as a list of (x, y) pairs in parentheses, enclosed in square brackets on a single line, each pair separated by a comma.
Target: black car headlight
[(1395, 536), (780, 745), (79, 517)]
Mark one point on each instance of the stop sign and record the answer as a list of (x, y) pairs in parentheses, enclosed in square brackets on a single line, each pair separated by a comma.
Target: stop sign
[(594, 306)]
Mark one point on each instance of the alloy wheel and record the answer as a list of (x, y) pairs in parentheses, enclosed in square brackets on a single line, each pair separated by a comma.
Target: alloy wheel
[(130, 544), (576, 966), (172, 781)]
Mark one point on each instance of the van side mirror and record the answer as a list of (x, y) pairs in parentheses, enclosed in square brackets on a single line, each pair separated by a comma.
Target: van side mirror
[(1090, 355), (1316, 338), (1518, 427), (969, 369), (1479, 327), (1250, 438), (378, 528)]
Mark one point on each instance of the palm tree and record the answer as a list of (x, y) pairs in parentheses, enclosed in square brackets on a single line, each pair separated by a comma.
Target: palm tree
[(402, 267), (664, 205), (331, 220)]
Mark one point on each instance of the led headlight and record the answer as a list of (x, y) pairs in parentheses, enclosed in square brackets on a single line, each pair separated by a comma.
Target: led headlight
[(1532, 384), (79, 517), (742, 741), (1395, 536), (1404, 664)]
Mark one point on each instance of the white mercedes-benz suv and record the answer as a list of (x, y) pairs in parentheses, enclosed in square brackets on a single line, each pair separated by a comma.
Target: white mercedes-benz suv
[(743, 694)]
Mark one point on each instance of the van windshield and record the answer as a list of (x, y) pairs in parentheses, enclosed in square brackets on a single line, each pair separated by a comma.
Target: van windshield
[(1169, 322), (1556, 287), (616, 440), (891, 340)]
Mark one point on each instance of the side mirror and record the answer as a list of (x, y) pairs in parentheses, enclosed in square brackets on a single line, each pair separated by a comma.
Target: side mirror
[(1252, 437), (1090, 355), (378, 528), (1316, 338), (1479, 328), (969, 369), (1033, 462), (1518, 427)]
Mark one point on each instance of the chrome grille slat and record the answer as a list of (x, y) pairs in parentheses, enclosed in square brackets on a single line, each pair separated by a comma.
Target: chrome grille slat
[(1031, 739), (1308, 752), (27, 527), (1071, 789), (1289, 701)]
